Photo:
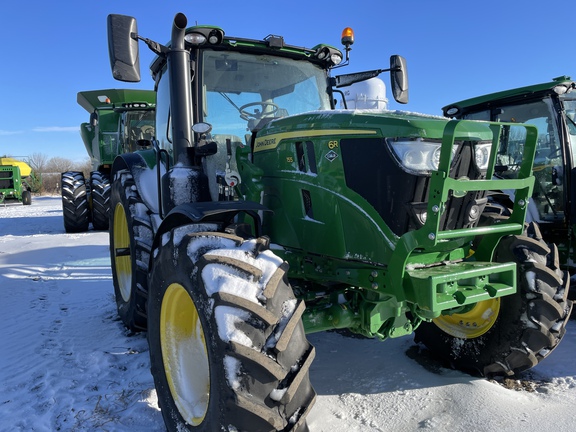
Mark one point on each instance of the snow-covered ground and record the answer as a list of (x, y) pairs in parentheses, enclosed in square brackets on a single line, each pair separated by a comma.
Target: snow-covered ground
[(68, 364)]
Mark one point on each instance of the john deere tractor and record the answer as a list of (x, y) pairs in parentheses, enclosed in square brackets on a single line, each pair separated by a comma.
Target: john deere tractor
[(118, 120), (261, 213), (13, 184), (551, 108)]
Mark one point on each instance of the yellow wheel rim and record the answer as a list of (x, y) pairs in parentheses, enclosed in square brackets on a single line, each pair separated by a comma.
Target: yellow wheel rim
[(122, 260), (184, 354), (473, 323)]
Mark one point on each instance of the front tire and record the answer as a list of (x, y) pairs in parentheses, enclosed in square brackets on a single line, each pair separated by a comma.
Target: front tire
[(227, 344), (508, 335), (130, 243)]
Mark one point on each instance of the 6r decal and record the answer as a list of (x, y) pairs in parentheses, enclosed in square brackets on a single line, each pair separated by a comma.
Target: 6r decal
[(331, 155)]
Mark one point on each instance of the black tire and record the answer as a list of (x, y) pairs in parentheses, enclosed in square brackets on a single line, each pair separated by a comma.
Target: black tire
[(508, 336), (26, 197), (100, 193), (130, 230), (74, 202), (251, 374)]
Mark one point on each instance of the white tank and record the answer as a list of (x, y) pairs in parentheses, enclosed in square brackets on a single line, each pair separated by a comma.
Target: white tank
[(369, 94)]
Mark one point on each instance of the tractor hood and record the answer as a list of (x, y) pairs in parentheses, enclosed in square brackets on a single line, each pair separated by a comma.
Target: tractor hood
[(381, 124)]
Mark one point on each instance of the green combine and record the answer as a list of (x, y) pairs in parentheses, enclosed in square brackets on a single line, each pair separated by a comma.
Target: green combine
[(259, 213), (119, 119)]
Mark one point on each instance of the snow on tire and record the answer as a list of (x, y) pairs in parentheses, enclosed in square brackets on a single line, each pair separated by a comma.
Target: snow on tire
[(131, 238), (503, 337), (75, 208), (227, 344)]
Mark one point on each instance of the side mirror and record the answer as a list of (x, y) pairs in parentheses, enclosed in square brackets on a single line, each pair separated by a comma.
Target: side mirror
[(123, 48), (399, 78)]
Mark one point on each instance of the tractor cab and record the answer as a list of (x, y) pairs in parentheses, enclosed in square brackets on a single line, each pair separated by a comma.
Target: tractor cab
[(238, 86)]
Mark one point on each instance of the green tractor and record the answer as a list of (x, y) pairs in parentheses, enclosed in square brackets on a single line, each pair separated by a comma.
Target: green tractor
[(261, 213), (551, 107), (13, 184), (119, 121)]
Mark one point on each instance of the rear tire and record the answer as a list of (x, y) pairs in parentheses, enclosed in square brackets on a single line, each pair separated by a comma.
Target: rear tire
[(131, 238), (74, 202), (100, 193), (227, 343), (505, 336)]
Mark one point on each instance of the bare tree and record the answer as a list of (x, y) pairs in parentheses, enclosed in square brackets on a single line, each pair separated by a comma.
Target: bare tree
[(59, 164), (37, 162), (56, 166), (84, 166), (51, 176), (46, 172)]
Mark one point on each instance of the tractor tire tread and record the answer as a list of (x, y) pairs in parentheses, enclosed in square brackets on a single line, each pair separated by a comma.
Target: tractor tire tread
[(75, 209), (273, 389), (123, 189), (100, 192)]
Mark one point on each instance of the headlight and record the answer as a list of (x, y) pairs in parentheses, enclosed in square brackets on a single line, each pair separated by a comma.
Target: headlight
[(328, 54), (420, 156), (417, 156), (482, 155)]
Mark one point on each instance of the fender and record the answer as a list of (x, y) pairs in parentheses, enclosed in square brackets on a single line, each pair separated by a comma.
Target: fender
[(142, 166), (221, 212), (145, 159)]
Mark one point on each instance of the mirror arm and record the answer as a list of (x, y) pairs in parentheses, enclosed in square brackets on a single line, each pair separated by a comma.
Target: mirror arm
[(155, 47)]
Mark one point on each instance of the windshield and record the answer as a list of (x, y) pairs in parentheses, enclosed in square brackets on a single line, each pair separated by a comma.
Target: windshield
[(138, 125), (241, 89)]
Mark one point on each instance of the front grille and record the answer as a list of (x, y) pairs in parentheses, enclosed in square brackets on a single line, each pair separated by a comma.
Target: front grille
[(401, 198)]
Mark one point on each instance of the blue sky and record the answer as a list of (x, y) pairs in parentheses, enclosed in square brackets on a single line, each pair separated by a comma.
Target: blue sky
[(454, 50)]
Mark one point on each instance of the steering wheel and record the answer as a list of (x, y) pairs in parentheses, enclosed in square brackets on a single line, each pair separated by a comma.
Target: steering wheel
[(245, 115)]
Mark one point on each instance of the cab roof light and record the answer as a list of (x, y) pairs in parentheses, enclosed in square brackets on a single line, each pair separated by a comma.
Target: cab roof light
[(195, 38), (330, 55), (563, 89), (452, 111), (135, 105), (215, 37), (201, 35)]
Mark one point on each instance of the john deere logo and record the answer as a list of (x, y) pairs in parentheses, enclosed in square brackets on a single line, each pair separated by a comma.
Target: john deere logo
[(331, 155)]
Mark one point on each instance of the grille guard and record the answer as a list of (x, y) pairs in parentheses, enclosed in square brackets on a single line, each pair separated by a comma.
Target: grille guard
[(427, 288)]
